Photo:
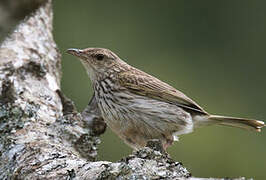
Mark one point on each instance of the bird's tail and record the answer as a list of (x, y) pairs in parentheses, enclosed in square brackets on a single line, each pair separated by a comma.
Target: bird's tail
[(238, 122)]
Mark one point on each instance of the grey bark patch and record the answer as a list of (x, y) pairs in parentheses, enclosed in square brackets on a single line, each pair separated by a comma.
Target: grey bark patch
[(33, 68), (71, 174), (13, 118), (115, 171), (86, 146), (7, 93), (68, 105)]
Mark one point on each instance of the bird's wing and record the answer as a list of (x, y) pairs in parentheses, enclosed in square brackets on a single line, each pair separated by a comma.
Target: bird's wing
[(141, 83)]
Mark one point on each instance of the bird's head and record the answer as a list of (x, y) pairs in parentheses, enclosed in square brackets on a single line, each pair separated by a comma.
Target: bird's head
[(98, 62)]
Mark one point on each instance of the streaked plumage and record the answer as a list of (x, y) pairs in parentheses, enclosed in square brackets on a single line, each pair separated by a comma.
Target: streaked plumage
[(139, 107)]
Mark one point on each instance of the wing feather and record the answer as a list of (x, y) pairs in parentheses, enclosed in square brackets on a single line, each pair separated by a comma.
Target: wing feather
[(141, 83)]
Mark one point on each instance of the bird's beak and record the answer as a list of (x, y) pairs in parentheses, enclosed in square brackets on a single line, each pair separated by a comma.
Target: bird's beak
[(75, 52)]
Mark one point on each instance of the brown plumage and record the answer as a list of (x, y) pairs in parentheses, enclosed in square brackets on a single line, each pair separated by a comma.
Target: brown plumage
[(139, 107)]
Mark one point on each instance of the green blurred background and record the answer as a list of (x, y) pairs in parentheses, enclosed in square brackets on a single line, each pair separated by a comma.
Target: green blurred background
[(214, 51)]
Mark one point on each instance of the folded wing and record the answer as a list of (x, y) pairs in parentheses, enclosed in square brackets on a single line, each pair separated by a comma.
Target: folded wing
[(141, 83)]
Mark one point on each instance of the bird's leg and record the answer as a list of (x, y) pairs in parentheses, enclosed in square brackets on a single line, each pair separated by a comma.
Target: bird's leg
[(168, 142)]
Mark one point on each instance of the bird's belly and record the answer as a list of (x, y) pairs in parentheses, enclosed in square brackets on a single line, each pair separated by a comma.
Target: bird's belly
[(136, 119)]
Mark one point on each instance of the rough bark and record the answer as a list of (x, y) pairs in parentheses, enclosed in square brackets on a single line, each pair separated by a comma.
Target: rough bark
[(42, 134)]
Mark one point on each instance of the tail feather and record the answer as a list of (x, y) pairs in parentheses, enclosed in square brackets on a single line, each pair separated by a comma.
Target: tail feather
[(238, 122)]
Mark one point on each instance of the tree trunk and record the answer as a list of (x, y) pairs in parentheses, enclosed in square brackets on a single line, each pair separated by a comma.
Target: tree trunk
[(42, 134)]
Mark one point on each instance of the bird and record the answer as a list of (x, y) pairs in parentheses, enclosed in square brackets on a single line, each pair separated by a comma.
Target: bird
[(139, 107)]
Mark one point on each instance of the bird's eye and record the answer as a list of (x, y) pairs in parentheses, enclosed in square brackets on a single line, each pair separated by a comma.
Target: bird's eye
[(99, 57)]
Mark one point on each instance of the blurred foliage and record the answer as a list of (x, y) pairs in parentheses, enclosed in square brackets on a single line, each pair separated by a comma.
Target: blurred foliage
[(214, 51)]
